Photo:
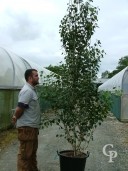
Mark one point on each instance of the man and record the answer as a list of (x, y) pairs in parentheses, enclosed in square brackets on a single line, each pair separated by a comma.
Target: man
[(27, 119)]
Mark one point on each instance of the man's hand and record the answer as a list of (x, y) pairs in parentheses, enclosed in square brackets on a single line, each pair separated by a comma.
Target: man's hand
[(14, 119), (18, 113)]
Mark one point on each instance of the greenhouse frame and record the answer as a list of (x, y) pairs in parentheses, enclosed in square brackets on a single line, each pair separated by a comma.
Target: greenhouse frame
[(12, 80), (118, 87)]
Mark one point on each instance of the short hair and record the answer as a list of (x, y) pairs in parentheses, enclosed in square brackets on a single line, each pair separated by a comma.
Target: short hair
[(28, 73)]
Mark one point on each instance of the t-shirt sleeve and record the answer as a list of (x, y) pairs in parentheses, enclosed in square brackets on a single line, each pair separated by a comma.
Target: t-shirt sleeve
[(25, 97), (23, 105)]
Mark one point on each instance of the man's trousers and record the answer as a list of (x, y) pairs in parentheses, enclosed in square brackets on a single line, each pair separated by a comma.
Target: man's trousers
[(27, 158)]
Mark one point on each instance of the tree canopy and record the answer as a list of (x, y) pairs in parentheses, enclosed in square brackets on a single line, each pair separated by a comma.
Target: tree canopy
[(123, 63), (57, 69), (78, 106)]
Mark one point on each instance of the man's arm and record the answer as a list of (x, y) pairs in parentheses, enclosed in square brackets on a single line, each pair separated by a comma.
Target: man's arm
[(18, 113), (23, 102)]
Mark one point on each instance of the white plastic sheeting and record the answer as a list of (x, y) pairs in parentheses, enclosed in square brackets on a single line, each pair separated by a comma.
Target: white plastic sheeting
[(12, 68), (117, 82)]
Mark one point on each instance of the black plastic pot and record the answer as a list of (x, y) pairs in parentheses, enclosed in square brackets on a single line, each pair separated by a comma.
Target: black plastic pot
[(71, 163)]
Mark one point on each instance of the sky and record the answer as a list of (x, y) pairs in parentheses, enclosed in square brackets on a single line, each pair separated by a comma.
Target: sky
[(30, 29)]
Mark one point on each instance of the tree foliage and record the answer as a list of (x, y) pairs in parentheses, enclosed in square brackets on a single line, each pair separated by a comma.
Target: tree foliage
[(58, 69), (123, 62), (105, 74), (80, 106)]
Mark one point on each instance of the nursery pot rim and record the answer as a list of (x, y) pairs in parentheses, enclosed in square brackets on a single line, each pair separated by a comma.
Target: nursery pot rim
[(63, 153)]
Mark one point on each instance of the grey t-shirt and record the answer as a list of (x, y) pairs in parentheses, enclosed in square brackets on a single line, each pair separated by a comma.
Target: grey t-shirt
[(31, 115)]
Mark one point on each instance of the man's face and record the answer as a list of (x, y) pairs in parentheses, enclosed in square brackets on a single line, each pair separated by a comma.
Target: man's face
[(34, 78)]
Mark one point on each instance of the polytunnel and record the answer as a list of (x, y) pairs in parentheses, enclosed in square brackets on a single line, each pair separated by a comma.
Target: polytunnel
[(12, 68), (118, 87)]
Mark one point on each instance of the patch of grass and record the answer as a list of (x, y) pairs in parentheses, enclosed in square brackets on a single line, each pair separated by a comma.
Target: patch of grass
[(7, 137)]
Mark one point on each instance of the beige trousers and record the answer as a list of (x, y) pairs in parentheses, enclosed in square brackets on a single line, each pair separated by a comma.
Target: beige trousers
[(27, 158)]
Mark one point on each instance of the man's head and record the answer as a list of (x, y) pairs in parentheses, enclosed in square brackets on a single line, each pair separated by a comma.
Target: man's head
[(31, 76)]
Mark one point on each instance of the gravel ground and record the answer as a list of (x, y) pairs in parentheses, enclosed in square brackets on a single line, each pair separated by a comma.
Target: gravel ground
[(110, 132)]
